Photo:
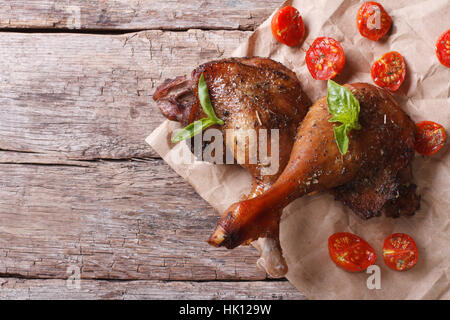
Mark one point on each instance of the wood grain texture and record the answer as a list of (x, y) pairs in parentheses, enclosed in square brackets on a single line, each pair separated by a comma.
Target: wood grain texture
[(132, 290), (79, 188), (89, 96), (113, 220), (73, 97), (135, 14)]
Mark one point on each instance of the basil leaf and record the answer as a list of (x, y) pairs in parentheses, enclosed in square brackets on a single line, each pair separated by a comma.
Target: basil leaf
[(343, 105), (340, 134), (193, 129), (345, 109), (205, 101), (198, 126)]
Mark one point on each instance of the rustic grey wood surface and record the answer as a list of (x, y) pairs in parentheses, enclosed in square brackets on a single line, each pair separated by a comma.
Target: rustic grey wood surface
[(80, 191), (136, 14)]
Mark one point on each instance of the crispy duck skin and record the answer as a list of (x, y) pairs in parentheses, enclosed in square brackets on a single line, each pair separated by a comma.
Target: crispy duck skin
[(247, 93), (373, 176)]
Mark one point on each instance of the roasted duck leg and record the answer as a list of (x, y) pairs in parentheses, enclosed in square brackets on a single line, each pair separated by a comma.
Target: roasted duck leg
[(247, 93), (373, 176)]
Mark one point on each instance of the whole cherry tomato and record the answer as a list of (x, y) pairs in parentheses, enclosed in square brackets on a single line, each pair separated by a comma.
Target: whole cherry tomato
[(350, 252), (443, 49), (287, 26), (373, 21), (325, 58), (430, 137), (389, 71), (400, 252)]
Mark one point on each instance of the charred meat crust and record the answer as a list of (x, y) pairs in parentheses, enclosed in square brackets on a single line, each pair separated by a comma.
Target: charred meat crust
[(384, 186), (173, 108), (370, 197)]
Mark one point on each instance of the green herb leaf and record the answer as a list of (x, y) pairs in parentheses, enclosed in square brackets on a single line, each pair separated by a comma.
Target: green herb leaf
[(193, 129), (345, 109), (340, 134), (205, 101), (198, 126)]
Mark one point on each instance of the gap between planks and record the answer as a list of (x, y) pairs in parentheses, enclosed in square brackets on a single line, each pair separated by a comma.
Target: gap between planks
[(66, 105), (82, 162)]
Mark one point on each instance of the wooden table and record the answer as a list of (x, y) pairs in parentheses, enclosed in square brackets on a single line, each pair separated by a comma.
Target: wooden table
[(80, 191)]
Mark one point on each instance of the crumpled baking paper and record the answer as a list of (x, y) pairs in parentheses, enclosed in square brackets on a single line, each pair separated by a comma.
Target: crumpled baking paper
[(307, 223)]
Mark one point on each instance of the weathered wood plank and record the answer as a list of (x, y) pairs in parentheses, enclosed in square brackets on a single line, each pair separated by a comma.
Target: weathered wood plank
[(135, 14), (12, 288), (112, 219), (89, 96), (72, 97)]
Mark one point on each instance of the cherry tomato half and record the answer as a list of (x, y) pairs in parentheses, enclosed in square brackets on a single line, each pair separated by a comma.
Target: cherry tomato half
[(325, 58), (287, 26), (430, 137), (373, 21), (389, 71), (443, 49), (400, 252), (350, 252)]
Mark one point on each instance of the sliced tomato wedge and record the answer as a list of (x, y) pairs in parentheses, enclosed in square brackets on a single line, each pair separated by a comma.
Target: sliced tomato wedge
[(325, 58), (443, 49), (389, 71), (350, 252), (287, 26), (400, 252), (373, 21), (430, 137)]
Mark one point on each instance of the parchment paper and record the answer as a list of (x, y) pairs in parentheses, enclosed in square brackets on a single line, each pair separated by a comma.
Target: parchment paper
[(308, 222)]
